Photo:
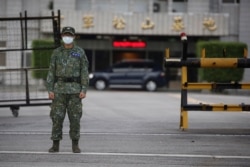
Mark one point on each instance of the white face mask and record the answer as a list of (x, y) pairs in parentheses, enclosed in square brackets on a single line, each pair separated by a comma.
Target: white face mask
[(67, 39)]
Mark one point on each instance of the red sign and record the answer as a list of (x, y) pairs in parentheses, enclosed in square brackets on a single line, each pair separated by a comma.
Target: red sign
[(129, 44)]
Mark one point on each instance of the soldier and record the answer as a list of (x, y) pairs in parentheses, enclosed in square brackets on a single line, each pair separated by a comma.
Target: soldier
[(67, 83)]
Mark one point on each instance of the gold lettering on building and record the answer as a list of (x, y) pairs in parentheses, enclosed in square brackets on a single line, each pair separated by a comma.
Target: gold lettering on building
[(147, 24), (178, 24), (119, 23), (209, 24), (88, 21)]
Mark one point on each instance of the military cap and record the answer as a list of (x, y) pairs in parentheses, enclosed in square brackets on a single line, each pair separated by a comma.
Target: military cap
[(70, 30)]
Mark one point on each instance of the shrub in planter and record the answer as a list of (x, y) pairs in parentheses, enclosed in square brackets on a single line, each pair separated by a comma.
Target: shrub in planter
[(215, 49), (41, 58)]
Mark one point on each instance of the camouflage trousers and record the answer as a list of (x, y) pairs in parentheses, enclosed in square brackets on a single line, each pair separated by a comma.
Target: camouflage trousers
[(62, 104)]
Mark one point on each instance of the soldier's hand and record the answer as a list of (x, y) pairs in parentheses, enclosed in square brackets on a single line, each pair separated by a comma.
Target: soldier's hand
[(82, 95), (51, 95)]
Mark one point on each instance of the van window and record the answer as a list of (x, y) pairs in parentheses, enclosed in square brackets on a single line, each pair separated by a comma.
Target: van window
[(121, 65)]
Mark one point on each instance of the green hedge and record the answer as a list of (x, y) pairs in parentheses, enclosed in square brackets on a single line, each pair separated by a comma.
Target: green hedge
[(215, 49), (41, 57)]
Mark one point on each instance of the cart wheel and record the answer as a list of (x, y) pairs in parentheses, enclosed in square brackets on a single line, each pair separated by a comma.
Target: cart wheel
[(15, 110)]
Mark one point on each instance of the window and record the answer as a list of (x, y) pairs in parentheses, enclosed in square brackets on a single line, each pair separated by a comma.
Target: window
[(2, 54), (180, 0), (2, 59), (179, 6), (122, 65), (27, 59), (230, 1)]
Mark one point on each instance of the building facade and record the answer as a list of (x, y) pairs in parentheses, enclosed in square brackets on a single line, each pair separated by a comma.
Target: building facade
[(113, 30)]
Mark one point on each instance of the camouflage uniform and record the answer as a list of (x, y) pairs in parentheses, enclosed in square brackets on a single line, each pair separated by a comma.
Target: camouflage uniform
[(67, 77)]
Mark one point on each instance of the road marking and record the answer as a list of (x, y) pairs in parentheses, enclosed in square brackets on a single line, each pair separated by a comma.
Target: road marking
[(121, 134), (132, 154)]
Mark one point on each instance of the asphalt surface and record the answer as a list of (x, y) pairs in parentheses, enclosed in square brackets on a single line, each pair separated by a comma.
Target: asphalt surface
[(131, 128)]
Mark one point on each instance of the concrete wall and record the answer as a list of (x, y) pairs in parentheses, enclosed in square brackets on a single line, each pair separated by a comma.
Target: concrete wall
[(238, 15)]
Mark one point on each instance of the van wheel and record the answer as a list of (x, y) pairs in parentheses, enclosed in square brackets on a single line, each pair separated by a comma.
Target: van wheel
[(151, 86), (100, 84)]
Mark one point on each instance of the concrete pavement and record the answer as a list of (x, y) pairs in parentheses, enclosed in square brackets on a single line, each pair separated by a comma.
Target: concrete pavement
[(132, 129)]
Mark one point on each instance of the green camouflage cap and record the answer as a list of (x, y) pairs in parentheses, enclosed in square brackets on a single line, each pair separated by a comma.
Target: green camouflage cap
[(70, 30)]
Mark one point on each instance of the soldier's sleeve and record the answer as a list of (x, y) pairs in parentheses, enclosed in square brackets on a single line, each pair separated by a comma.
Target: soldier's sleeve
[(51, 73), (84, 73)]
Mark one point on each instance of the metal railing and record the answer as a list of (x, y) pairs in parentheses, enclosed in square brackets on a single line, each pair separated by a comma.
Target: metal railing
[(18, 84), (184, 63)]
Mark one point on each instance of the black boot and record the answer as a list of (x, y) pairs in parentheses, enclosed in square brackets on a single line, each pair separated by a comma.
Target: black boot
[(75, 147), (55, 147)]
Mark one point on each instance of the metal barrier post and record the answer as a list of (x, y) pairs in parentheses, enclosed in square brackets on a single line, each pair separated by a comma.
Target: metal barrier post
[(184, 113), (27, 87)]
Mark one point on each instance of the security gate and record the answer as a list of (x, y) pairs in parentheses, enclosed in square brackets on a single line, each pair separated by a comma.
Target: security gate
[(18, 86), (204, 62)]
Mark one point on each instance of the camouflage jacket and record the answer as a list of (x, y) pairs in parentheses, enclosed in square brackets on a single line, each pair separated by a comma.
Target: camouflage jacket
[(68, 63)]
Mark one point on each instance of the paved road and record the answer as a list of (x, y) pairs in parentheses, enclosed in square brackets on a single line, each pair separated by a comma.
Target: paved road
[(131, 129)]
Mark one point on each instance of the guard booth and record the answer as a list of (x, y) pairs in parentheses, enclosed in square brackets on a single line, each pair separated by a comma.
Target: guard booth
[(185, 62), (18, 86)]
